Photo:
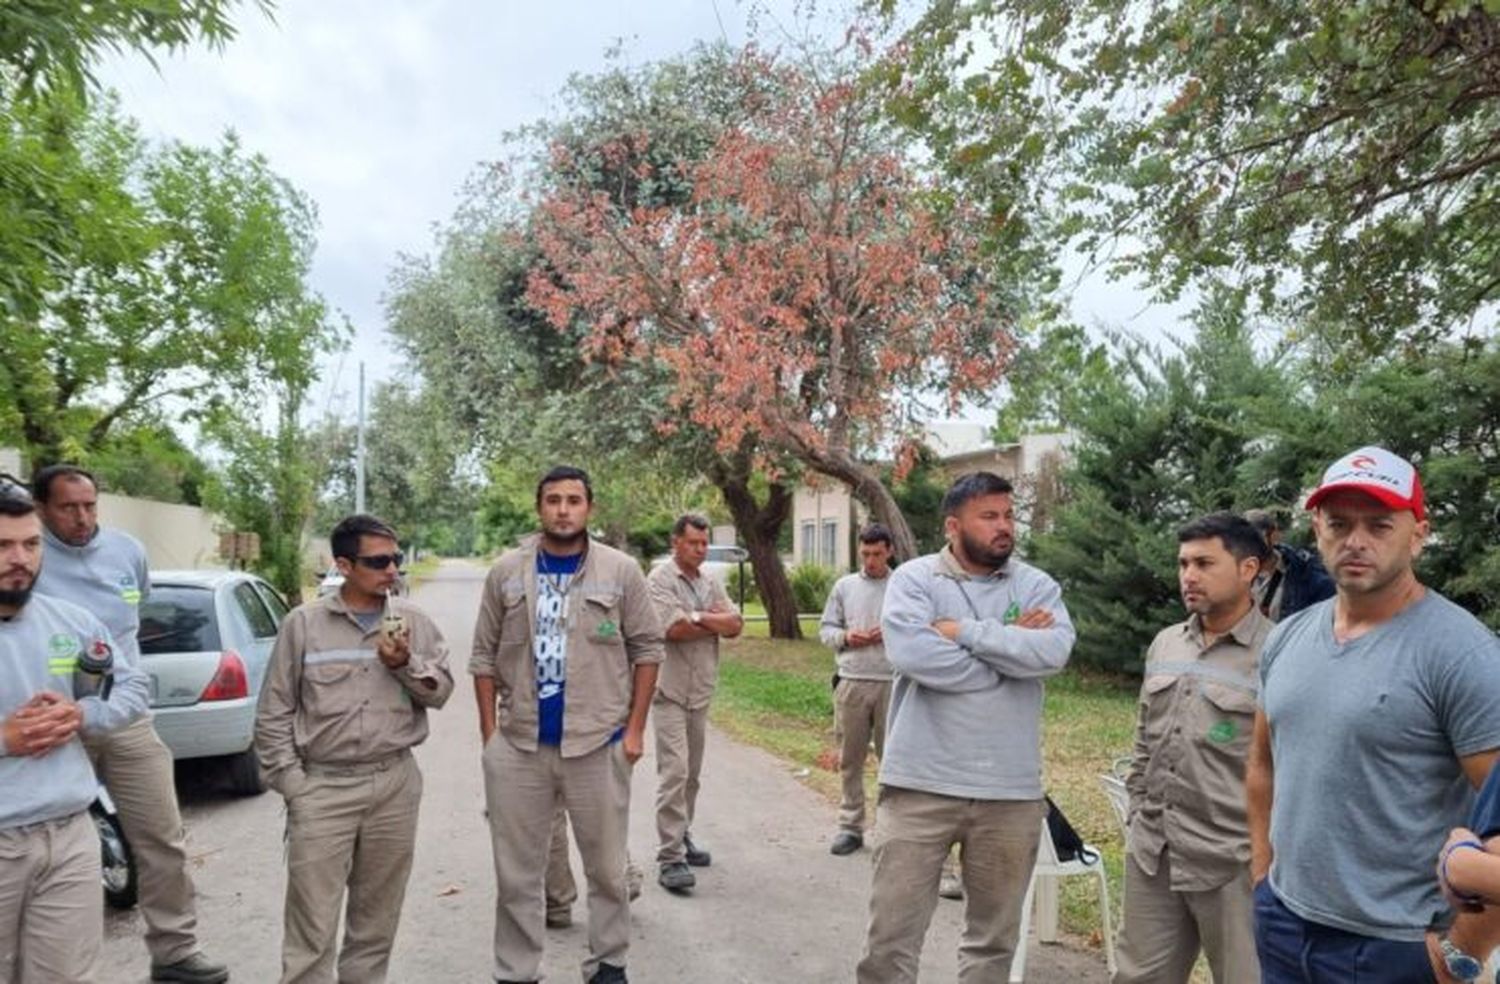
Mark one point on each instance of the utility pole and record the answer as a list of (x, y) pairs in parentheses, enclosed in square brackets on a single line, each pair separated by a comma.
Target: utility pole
[(359, 447)]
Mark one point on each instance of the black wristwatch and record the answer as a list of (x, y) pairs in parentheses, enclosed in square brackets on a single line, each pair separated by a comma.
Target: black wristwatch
[(1461, 965)]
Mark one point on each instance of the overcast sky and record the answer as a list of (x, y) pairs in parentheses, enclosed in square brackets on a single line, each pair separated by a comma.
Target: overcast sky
[(379, 109)]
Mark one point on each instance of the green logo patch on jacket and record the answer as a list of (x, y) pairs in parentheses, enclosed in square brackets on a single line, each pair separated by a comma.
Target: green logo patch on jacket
[(607, 629), (1012, 614), (1223, 732)]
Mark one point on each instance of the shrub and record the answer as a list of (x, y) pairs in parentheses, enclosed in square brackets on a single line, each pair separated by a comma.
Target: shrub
[(732, 584), (810, 586)]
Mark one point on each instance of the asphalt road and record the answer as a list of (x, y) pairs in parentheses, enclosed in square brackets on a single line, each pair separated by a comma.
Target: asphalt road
[(774, 907)]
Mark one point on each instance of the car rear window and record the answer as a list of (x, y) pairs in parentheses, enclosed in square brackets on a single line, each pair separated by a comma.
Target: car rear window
[(178, 620)]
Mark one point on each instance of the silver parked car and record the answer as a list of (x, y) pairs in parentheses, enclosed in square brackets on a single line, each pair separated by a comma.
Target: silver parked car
[(206, 639)]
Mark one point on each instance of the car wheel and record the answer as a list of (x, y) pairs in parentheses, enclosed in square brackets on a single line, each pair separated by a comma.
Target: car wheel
[(115, 862), (244, 775)]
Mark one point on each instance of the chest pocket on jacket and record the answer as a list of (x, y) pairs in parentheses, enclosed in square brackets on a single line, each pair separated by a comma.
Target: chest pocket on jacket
[(1157, 695), (600, 618), (1227, 716)]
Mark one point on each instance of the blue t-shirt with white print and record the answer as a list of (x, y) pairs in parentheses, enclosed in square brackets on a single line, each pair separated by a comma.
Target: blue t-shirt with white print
[(554, 576)]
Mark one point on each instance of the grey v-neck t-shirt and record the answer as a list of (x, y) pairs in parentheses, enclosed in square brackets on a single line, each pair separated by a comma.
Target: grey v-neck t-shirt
[(1365, 741)]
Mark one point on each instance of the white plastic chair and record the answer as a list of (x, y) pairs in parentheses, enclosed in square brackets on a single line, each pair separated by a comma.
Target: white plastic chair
[(1042, 893), (1119, 801)]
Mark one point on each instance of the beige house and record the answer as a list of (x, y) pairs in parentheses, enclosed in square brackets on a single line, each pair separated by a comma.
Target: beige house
[(825, 515)]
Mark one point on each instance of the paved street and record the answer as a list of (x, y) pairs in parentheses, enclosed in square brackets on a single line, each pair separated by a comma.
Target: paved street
[(775, 906)]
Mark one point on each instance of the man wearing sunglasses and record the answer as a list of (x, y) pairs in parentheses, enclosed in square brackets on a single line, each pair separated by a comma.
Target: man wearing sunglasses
[(51, 922), (105, 571), (345, 700)]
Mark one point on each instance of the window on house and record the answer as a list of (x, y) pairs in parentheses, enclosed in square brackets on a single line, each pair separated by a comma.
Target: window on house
[(830, 548), (809, 544)]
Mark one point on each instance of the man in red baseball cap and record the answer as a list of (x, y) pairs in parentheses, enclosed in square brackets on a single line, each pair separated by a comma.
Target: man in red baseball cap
[(1379, 717)]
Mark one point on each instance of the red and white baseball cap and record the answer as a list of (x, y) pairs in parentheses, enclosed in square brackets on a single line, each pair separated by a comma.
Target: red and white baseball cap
[(1379, 474)]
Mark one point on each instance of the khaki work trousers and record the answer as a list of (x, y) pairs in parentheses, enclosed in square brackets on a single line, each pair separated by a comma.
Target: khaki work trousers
[(137, 769), (562, 889), (913, 834), (523, 791), (51, 915), (351, 834), (859, 711), (1164, 929), (681, 734)]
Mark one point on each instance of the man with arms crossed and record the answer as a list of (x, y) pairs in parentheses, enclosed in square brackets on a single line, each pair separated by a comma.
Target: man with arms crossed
[(344, 702), (862, 684), (695, 612), (1187, 863), (51, 920), (971, 632), (1379, 715), (565, 654), (105, 571)]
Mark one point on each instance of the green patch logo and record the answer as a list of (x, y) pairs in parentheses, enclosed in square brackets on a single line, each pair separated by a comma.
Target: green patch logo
[(1012, 613), (128, 591), (608, 629), (62, 645), (1223, 732)]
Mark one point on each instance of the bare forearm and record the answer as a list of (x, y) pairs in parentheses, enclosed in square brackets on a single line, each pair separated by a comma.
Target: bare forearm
[(1259, 793), (642, 689), (484, 697)]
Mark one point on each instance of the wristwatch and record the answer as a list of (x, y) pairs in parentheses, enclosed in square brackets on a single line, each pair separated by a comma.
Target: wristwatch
[(696, 618), (1460, 964)]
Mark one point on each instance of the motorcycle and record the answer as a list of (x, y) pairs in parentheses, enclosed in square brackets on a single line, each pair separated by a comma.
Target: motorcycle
[(117, 862)]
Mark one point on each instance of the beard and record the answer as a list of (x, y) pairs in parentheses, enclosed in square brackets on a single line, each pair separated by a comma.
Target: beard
[(15, 597), (985, 554), (566, 538)]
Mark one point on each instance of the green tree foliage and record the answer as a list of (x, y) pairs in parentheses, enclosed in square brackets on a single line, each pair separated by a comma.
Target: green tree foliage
[(1339, 161), (53, 44), (150, 461), (139, 280), (1169, 435)]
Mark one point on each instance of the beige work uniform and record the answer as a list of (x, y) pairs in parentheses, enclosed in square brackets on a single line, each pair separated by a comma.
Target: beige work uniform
[(51, 919), (1187, 868), (611, 628), (334, 732), (689, 674)]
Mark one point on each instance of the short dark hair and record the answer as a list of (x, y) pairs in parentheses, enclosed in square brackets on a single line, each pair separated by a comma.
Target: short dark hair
[(1264, 520), (41, 482), (972, 486), (15, 498), (344, 540), (696, 520), (875, 533), (565, 473), (1239, 535)]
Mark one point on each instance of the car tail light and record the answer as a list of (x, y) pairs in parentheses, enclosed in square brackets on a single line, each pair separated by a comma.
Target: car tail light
[(230, 681)]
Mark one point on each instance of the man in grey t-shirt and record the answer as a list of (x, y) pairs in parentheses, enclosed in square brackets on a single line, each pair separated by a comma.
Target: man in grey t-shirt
[(1380, 714)]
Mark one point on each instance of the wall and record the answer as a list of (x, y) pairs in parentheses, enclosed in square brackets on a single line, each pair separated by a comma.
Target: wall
[(176, 536)]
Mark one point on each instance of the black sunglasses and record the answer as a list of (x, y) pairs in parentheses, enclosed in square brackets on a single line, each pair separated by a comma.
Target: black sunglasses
[(379, 562)]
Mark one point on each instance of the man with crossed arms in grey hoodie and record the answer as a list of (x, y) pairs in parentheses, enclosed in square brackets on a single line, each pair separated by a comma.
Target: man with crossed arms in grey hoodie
[(971, 632)]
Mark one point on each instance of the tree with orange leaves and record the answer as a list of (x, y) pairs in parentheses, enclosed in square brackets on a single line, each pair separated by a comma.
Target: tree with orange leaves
[(813, 289)]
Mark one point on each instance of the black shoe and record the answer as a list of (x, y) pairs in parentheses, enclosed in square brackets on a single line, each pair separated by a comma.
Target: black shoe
[(560, 918), (847, 842), (196, 969), (676, 876), (696, 856), (608, 974)]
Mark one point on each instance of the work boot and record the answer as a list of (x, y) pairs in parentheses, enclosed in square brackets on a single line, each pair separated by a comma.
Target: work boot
[(847, 842), (676, 876), (696, 856), (608, 974), (195, 969)]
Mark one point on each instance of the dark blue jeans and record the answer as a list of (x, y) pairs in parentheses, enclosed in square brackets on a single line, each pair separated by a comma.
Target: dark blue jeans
[(1295, 951)]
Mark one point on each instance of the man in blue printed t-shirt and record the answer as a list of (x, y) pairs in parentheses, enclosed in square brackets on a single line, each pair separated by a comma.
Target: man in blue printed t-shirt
[(1380, 714), (565, 657)]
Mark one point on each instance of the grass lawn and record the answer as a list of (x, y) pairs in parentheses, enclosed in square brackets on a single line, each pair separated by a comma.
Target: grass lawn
[(776, 694)]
